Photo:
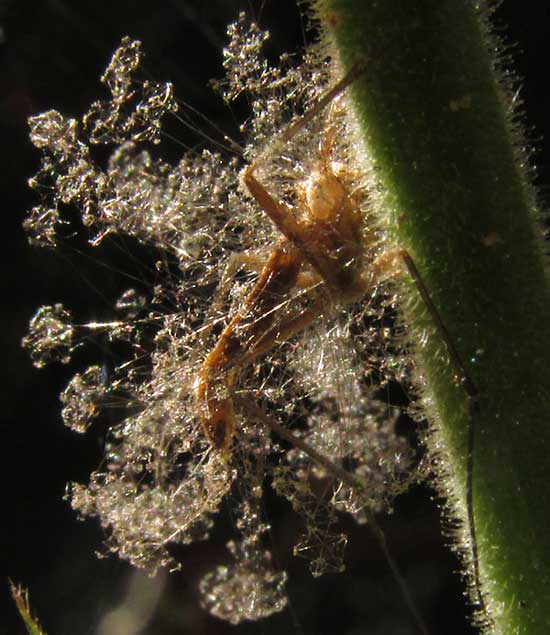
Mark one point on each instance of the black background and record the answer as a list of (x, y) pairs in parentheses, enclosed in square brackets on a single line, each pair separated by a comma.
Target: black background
[(52, 54)]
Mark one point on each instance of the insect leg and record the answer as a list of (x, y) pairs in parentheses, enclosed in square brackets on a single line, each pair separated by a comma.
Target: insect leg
[(465, 379), (250, 332), (355, 71), (353, 481), (473, 397), (249, 261)]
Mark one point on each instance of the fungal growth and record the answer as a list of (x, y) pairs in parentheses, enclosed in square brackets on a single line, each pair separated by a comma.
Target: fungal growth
[(263, 362)]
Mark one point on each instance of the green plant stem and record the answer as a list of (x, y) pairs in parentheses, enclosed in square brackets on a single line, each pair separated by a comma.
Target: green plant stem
[(21, 598), (437, 124)]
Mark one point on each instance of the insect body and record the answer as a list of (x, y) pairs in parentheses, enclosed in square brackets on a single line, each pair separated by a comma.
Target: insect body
[(322, 248)]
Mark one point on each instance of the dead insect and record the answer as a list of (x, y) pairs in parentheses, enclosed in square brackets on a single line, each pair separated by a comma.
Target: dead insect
[(324, 247)]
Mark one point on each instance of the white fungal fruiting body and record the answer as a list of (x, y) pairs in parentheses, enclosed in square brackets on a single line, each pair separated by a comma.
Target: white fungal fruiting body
[(162, 481)]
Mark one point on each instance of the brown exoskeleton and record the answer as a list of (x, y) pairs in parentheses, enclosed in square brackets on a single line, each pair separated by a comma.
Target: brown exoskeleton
[(322, 244)]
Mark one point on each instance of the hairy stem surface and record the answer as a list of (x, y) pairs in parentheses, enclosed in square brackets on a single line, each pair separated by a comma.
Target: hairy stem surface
[(437, 121)]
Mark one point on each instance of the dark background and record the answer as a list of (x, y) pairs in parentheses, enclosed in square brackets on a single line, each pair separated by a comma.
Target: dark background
[(51, 56)]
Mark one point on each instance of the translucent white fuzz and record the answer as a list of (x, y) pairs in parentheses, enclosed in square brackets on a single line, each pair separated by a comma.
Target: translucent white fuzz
[(162, 482)]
